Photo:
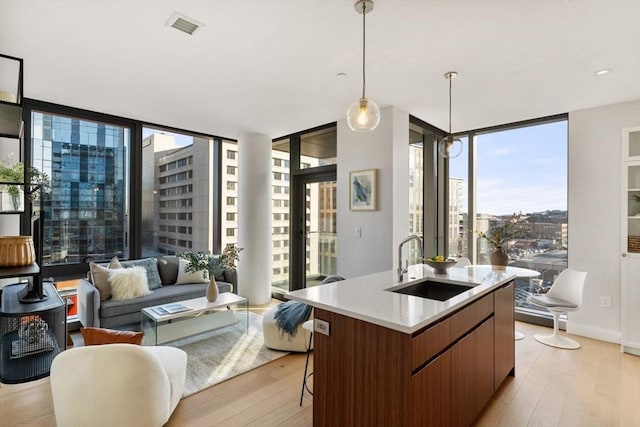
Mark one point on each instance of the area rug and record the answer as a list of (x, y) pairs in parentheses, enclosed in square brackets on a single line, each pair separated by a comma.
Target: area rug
[(216, 356)]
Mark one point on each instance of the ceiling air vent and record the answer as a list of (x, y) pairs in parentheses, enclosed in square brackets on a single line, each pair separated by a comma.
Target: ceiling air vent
[(184, 24)]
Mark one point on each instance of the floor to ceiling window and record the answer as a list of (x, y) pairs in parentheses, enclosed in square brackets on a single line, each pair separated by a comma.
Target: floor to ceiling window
[(86, 210), (519, 171), (523, 171), (304, 215), (229, 194), (280, 211), (458, 209), (425, 199), (180, 193), (416, 192)]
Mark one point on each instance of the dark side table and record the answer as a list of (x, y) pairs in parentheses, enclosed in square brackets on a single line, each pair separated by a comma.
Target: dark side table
[(31, 335)]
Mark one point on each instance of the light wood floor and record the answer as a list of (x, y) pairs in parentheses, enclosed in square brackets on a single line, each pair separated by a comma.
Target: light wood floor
[(593, 386)]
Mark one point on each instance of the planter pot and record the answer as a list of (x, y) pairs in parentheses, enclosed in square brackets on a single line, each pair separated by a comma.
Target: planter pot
[(212, 290), (17, 251), (499, 259)]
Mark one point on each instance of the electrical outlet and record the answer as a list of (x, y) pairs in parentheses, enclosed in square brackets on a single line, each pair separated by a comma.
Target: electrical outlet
[(321, 326), (605, 301)]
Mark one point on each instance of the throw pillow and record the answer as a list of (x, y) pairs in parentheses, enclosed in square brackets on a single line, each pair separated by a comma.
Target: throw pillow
[(99, 336), (168, 269), (128, 283), (151, 267), (100, 277), (184, 277), (115, 263)]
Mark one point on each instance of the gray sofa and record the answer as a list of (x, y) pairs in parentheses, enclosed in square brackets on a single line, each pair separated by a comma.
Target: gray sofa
[(109, 313)]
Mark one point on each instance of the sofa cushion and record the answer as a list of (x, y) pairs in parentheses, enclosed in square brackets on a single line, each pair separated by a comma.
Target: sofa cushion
[(151, 267), (163, 295), (128, 283), (99, 336), (168, 269), (190, 277), (100, 277)]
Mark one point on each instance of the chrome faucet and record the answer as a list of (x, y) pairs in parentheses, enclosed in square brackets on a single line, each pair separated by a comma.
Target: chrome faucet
[(401, 270)]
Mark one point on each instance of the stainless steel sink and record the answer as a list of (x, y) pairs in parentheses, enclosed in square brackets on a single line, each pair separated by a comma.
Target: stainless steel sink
[(431, 289)]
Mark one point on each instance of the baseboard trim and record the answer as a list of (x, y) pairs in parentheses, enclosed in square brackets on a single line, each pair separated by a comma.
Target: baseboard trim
[(594, 332)]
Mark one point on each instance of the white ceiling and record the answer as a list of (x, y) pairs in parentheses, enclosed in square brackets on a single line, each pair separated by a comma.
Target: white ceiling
[(269, 66)]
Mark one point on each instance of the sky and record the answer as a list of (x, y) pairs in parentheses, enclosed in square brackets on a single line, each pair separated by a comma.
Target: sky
[(517, 170)]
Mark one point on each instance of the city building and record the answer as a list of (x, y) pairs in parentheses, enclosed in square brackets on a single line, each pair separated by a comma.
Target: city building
[(86, 164)]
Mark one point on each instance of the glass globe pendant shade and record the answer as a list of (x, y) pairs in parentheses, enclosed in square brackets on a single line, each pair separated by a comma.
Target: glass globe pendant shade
[(363, 115), (449, 147)]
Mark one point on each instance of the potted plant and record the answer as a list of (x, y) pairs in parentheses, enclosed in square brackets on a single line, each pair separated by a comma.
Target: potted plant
[(212, 265), (15, 172), (499, 236)]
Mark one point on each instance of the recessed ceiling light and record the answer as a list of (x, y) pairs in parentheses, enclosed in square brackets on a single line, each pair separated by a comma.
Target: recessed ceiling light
[(183, 23), (603, 72)]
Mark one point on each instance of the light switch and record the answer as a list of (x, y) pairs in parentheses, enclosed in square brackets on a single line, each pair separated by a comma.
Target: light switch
[(358, 232)]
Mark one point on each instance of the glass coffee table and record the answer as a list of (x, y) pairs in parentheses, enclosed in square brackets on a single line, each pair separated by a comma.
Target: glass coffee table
[(172, 321)]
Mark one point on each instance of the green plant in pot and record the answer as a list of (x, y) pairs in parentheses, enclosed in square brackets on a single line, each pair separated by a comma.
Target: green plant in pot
[(15, 172), (212, 265), (499, 236)]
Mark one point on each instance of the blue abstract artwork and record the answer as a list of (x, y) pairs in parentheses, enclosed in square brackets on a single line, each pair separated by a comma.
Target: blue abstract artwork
[(363, 190)]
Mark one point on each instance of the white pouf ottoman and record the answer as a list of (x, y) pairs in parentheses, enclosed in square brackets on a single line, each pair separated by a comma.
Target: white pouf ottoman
[(275, 339)]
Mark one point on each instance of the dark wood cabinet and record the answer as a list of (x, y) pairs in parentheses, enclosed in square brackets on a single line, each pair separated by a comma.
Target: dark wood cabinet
[(472, 374), (504, 333), (366, 374), (431, 392)]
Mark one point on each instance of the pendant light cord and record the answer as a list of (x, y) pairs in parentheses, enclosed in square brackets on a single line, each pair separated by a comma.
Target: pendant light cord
[(364, 12), (450, 78)]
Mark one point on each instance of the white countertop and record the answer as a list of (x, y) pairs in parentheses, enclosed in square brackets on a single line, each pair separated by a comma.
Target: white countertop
[(368, 297)]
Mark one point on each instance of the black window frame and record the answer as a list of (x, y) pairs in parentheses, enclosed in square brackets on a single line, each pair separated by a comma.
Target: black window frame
[(80, 269)]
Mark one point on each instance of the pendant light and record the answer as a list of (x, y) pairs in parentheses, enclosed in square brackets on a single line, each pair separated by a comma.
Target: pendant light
[(364, 114), (450, 147)]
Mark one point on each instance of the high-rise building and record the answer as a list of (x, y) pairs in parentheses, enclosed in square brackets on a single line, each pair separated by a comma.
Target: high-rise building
[(178, 195), (178, 198), (457, 238), (85, 210)]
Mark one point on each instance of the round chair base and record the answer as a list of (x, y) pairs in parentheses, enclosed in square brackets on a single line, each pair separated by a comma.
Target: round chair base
[(558, 341)]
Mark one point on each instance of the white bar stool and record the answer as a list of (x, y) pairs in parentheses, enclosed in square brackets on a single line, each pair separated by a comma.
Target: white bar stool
[(308, 325)]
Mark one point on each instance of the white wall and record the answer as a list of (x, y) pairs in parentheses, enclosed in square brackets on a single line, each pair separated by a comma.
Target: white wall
[(385, 149), (594, 213)]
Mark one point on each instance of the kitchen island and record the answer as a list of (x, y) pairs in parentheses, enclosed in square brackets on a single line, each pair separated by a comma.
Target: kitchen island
[(388, 358)]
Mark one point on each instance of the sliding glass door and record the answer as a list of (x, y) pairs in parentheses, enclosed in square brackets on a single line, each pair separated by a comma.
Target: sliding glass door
[(320, 231)]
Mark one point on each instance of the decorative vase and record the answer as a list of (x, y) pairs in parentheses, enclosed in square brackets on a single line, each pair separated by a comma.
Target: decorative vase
[(212, 290), (16, 251), (499, 259)]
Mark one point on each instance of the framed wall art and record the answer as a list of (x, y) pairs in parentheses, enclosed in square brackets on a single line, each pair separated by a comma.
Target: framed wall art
[(363, 190)]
